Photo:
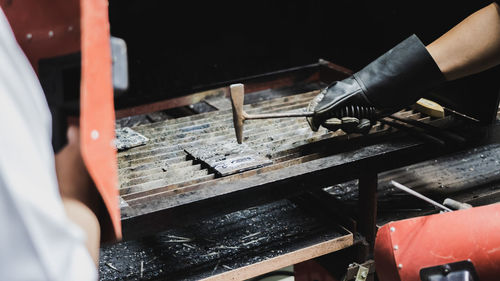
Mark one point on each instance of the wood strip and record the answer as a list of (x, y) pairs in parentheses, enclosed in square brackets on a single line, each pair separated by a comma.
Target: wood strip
[(284, 260), (169, 103)]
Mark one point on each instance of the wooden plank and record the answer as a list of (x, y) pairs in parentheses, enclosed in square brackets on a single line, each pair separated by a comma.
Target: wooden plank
[(287, 259)]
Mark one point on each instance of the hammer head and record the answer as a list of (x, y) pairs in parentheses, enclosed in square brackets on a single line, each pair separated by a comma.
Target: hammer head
[(237, 92)]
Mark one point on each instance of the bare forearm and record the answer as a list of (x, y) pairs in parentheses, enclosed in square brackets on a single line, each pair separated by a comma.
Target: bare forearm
[(471, 46), (80, 214), (80, 198)]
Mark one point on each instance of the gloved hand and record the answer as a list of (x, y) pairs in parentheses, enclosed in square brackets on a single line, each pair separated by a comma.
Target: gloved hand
[(396, 79)]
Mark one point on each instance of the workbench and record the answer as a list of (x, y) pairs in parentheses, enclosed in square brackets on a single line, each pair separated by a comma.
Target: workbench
[(270, 235)]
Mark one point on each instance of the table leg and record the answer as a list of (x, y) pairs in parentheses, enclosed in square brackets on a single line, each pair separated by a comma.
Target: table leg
[(368, 207)]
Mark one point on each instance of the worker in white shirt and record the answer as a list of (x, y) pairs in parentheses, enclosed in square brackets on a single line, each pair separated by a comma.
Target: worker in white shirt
[(49, 229)]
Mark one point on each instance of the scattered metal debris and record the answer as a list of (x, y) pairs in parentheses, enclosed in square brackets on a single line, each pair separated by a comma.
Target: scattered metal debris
[(218, 241), (110, 265), (226, 247), (177, 239), (215, 268), (142, 268), (253, 241), (211, 254), (187, 245), (250, 235)]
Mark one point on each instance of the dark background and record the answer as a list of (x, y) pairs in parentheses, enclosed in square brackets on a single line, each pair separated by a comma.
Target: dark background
[(180, 48)]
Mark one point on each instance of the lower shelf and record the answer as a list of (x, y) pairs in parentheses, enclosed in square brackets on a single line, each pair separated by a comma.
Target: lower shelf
[(235, 246)]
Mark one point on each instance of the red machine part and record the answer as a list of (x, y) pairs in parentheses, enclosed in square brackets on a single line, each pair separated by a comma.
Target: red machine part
[(51, 28), (310, 271), (404, 247), (44, 28), (97, 115)]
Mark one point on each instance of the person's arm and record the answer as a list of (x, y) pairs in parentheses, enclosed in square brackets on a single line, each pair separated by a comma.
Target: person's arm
[(79, 196), (471, 46), (408, 71)]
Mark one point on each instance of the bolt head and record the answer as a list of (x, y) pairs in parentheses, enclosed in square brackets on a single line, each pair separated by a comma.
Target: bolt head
[(94, 134), (446, 269), (392, 229)]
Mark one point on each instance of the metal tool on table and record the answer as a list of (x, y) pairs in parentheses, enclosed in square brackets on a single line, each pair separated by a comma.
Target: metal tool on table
[(418, 195), (456, 205), (434, 109), (439, 132), (423, 135), (428, 107), (426, 131), (237, 92), (448, 204)]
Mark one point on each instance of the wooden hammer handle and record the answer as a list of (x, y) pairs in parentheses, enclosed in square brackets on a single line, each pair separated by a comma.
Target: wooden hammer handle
[(278, 115)]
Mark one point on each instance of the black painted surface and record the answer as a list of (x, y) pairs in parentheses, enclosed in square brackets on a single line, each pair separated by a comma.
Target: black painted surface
[(177, 48)]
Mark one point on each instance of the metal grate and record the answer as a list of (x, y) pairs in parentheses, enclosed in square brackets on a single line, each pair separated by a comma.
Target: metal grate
[(163, 163)]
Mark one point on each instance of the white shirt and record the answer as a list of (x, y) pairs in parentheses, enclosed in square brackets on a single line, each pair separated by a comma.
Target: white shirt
[(37, 240)]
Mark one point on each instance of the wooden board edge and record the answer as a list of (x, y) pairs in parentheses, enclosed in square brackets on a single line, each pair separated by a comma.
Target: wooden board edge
[(307, 253)]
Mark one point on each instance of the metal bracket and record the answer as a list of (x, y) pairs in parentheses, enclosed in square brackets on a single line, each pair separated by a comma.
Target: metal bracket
[(362, 273), (120, 64)]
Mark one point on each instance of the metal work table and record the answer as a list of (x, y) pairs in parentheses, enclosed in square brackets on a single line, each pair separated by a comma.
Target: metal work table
[(166, 190), (295, 231)]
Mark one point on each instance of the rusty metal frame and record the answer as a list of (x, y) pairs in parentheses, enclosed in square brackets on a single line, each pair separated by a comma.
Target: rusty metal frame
[(323, 70), (158, 211)]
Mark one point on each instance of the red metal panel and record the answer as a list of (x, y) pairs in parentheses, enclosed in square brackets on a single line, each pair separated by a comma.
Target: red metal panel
[(310, 271), (50, 28), (97, 110), (404, 247), (44, 28)]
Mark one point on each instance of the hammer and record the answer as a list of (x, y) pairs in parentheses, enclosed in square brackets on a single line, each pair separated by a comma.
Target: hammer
[(237, 93)]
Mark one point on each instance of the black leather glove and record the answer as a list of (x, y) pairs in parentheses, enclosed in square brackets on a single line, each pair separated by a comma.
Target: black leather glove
[(396, 79)]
